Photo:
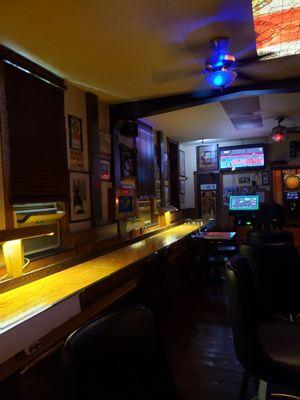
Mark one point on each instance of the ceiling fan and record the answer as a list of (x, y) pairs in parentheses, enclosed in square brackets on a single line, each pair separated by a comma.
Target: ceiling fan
[(279, 132), (220, 69)]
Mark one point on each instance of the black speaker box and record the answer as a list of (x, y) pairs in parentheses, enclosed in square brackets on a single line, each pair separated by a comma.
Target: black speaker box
[(129, 129)]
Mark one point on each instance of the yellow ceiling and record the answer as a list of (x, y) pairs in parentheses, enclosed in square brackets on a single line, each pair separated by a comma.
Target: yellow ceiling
[(114, 47)]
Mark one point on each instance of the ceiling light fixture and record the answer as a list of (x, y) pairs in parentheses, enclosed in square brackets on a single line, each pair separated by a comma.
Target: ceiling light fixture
[(279, 133), (221, 79)]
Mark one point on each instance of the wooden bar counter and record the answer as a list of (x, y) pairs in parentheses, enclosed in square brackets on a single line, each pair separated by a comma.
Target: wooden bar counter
[(50, 307)]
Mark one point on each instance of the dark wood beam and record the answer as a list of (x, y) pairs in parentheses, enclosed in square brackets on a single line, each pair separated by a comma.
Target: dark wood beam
[(159, 105), (92, 119)]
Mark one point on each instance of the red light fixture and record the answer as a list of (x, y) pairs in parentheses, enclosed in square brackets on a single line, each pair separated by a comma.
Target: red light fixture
[(279, 133)]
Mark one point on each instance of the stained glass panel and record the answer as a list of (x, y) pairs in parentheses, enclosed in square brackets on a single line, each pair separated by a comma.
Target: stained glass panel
[(277, 27)]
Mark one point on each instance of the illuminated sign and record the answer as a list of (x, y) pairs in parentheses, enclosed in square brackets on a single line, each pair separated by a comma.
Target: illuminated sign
[(277, 27)]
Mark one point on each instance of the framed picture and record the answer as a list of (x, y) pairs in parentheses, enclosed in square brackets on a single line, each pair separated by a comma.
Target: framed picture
[(80, 207), (128, 162), (165, 166), (182, 186), (105, 144), (105, 170), (181, 163), (75, 132), (265, 178), (207, 157)]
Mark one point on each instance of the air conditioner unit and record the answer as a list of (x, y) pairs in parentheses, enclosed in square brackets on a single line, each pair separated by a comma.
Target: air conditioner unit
[(36, 213)]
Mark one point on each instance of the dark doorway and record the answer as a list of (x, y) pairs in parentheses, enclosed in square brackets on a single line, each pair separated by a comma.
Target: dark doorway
[(174, 172)]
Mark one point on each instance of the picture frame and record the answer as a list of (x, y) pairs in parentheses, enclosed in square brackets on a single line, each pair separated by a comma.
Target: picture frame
[(207, 157), (75, 132), (182, 186), (105, 144), (265, 180), (181, 163), (80, 203), (127, 162), (165, 166), (105, 170)]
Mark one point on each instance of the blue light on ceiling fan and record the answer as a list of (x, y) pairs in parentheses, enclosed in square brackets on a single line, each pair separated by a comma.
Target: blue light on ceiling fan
[(220, 79)]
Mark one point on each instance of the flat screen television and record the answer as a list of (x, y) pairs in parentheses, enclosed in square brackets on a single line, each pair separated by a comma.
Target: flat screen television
[(242, 157), (244, 203)]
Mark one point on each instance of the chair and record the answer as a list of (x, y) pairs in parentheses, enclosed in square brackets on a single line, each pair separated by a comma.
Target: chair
[(117, 356), (270, 237), (275, 270), (267, 348)]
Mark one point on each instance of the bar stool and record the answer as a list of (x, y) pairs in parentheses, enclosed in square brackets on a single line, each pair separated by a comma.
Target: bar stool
[(117, 356), (270, 237)]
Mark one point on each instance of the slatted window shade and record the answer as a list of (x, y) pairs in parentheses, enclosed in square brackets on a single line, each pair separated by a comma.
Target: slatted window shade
[(145, 162), (37, 140)]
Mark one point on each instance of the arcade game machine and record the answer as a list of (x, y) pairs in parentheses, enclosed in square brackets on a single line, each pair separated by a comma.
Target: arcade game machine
[(244, 209), (291, 198), (207, 197)]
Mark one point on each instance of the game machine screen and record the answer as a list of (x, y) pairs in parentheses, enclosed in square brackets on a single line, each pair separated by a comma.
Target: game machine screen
[(125, 203), (244, 203)]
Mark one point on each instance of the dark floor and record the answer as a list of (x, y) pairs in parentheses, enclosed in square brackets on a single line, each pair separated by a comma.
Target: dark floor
[(199, 344), (200, 347)]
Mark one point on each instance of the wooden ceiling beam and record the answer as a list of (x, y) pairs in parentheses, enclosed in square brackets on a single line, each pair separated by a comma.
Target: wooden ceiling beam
[(160, 105)]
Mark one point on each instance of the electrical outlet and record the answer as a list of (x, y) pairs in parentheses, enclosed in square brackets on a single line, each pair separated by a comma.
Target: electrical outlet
[(32, 348)]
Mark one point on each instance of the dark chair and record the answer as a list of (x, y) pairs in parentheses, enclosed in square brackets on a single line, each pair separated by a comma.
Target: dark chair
[(266, 347), (154, 279), (117, 356), (275, 271), (265, 237)]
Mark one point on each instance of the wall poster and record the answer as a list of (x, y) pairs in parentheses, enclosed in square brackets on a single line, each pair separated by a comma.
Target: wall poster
[(80, 204)]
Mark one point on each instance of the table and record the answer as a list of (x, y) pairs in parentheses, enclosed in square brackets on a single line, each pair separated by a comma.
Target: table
[(219, 236)]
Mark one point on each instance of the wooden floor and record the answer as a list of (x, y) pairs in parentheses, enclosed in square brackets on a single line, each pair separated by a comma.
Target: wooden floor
[(199, 344), (200, 347)]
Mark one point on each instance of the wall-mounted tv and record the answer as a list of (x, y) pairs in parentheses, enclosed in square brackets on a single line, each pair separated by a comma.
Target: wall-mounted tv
[(242, 157)]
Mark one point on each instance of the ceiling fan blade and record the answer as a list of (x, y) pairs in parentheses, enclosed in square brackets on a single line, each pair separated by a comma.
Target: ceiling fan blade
[(171, 75), (294, 129), (252, 59), (246, 77)]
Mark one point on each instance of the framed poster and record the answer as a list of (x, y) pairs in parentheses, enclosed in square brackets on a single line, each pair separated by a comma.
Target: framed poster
[(75, 132), (80, 204), (265, 178), (105, 170), (207, 157), (165, 166), (181, 163), (182, 186), (105, 144), (128, 162)]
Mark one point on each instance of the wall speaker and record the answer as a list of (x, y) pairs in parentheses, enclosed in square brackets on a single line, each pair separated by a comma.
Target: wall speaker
[(129, 129)]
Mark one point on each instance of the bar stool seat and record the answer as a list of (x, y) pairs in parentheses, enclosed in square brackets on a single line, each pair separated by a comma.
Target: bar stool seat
[(281, 342)]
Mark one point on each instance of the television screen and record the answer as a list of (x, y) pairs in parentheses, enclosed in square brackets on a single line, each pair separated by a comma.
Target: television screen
[(125, 204), (242, 157), (244, 203)]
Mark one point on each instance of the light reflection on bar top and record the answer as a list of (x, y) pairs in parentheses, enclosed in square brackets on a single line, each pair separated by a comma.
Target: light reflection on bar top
[(15, 305)]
